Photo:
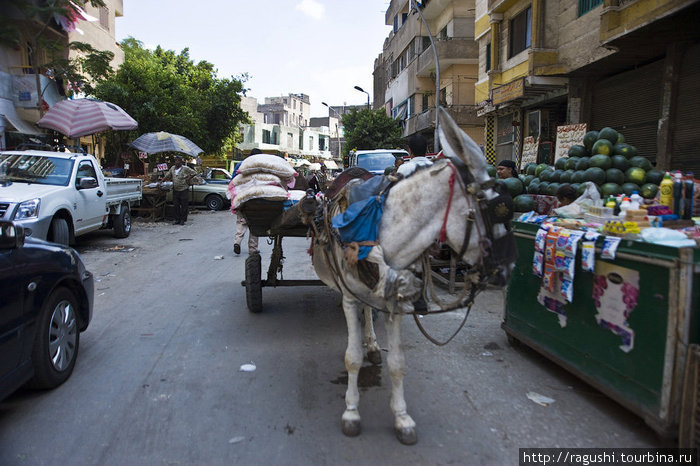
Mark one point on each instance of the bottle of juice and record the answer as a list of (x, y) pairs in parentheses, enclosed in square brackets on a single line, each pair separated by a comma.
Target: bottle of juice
[(666, 191), (678, 194)]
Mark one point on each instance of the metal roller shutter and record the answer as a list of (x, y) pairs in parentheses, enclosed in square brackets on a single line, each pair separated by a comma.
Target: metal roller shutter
[(686, 131), (630, 102)]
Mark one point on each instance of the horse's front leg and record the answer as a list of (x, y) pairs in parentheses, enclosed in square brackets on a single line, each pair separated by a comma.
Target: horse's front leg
[(353, 362), (374, 354), (404, 425)]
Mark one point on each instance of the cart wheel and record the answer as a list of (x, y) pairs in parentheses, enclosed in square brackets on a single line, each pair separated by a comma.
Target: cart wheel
[(253, 285)]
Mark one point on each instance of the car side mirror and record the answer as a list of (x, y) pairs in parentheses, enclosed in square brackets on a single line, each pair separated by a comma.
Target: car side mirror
[(11, 235), (87, 182)]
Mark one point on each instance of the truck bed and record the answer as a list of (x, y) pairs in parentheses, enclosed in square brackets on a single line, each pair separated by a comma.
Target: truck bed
[(122, 189)]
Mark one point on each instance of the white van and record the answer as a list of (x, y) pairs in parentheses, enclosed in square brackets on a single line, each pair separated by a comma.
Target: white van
[(375, 161)]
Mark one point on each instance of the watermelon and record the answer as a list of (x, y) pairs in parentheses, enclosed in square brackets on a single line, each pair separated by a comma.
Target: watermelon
[(581, 188), (654, 176), (620, 138), (492, 171), (641, 162), (577, 150), (552, 189), (530, 168), (635, 175), (534, 186), (566, 176), (629, 188), (608, 134), (600, 161), (621, 148), (556, 176), (589, 139), (540, 168), (613, 175), (611, 189), (543, 187), (620, 162), (528, 179), (515, 186), (546, 175), (524, 203), (594, 174), (627, 150), (602, 146), (560, 164), (571, 163), (583, 163), (649, 191), (575, 186)]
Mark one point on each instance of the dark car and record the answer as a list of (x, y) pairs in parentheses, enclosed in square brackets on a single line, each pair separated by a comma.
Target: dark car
[(46, 299)]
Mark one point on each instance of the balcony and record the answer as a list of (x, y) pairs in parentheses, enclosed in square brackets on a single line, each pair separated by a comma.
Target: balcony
[(464, 115), (457, 50)]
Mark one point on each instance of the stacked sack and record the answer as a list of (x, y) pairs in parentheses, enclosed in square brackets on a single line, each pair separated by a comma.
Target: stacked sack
[(263, 176)]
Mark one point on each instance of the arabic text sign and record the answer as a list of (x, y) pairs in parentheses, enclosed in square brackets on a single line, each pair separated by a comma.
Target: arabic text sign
[(530, 146), (567, 136), (510, 91)]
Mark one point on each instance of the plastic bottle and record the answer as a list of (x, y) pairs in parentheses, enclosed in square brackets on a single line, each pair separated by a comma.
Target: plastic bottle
[(678, 194), (625, 205), (689, 193), (636, 200), (666, 191)]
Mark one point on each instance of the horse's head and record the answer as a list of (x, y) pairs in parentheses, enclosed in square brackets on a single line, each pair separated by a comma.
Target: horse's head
[(488, 238)]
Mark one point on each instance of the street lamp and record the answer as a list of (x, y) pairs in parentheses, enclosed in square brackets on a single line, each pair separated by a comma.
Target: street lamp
[(362, 90), (337, 132)]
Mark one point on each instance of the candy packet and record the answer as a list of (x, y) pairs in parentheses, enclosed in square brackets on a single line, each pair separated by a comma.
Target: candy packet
[(537, 263), (610, 244), (588, 256)]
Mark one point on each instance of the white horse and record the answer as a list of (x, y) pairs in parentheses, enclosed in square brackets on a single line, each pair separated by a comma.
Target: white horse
[(414, 216)]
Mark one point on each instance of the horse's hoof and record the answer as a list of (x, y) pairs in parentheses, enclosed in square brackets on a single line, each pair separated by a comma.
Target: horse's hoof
[(407, 435), (375, 357), (351, 428)]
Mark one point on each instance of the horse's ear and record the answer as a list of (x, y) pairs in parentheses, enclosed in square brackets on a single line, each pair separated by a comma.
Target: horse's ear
[(457, 144)]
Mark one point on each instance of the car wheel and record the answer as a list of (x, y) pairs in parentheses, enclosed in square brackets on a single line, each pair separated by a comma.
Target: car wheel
[(56, 341), (59, 231), (214, 202), (122, 223)]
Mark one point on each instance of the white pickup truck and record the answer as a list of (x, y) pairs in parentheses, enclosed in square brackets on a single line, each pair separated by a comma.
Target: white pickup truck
[(58, 196)]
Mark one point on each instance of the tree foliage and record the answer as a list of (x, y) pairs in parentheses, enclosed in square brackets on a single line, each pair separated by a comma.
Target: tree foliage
[(368, 129), (34, 24), (165, 91)]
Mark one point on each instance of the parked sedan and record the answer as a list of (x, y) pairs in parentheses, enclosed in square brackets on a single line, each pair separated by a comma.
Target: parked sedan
[(46, 300), (210, 194)]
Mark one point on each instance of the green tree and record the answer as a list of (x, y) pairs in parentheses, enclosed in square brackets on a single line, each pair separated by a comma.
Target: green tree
[(165, 91), (33, 24), (368, 129)]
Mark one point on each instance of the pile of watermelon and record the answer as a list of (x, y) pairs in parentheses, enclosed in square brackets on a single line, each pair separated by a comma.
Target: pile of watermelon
[(604, 158)]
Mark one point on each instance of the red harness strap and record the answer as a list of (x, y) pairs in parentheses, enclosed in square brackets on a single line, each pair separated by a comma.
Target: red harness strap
[(443, 230)]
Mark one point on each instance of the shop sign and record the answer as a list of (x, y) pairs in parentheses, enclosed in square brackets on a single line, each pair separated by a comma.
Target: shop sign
[(143, 155), (162, 167), (567, 136), (505, 132), (510, 91), (530, 145)]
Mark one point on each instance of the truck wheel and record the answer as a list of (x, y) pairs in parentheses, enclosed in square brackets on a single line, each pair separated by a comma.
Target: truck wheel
[(214, 202), (56, 341), (253, 285), (122, 223), (59, 232)]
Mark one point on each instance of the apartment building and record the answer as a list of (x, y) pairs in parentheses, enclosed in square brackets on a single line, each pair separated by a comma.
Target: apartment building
[(20, 96), (633, 65), (405, 71), (282, 126)]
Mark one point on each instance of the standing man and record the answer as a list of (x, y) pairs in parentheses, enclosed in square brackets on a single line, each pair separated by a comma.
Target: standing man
[(241, 225), (180, 175), (417, 147)]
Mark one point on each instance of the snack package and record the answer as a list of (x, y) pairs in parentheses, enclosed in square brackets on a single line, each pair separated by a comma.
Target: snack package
[(572, 243), (537, 263), (540, 238), (549, 278), (588, 256), (610, 244), (563, 237), (567, 289)]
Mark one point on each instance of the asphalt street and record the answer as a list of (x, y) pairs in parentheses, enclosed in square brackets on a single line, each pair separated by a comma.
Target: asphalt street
[(159, 380)]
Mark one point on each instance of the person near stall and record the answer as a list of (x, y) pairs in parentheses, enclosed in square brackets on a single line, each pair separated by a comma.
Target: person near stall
[(181, 176), (566, 195), (319, 180), (241, 224)]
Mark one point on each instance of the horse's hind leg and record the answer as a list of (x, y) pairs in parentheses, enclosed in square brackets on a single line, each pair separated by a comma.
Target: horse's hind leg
[(404, 425), (353, 362), (374, 354)]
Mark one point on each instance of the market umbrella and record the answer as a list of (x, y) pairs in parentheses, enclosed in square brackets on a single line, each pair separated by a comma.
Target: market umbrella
[(152, 143), (82, 117)]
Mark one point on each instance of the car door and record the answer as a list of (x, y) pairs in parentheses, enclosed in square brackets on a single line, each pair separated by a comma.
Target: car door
[(90, 202), (12, 294)]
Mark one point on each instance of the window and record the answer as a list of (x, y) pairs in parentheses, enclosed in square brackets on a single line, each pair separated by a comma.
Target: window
[(488, 56), (104, 17), (266, 136), (311, 142), (411, 106), (396, 23), (584, 6), (443, 33), (85, 169), (520, 32), (290, 139), (424, 103), (321, 143), (443, 96), (425, 43)]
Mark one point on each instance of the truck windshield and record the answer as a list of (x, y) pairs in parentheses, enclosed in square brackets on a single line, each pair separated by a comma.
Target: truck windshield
[(38, 169), (376, 161)]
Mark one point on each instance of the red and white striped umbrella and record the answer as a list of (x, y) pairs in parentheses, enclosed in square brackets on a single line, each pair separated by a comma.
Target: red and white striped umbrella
[(82, 117)]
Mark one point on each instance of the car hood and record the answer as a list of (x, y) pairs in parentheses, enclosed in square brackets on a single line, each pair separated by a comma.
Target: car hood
[(17, 191)]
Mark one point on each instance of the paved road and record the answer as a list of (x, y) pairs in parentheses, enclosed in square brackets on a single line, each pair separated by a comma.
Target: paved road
[(158, 379)]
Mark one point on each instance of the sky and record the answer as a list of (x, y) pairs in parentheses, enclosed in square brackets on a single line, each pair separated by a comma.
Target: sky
[(322, 48)]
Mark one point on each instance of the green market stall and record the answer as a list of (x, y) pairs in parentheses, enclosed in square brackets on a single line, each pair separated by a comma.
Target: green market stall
[(640, 360)]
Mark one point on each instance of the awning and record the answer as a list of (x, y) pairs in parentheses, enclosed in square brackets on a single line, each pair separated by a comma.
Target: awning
[(331, 165), (7, 110)]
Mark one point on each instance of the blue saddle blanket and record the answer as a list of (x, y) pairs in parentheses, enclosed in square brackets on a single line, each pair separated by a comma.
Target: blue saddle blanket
[(360, 222)]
